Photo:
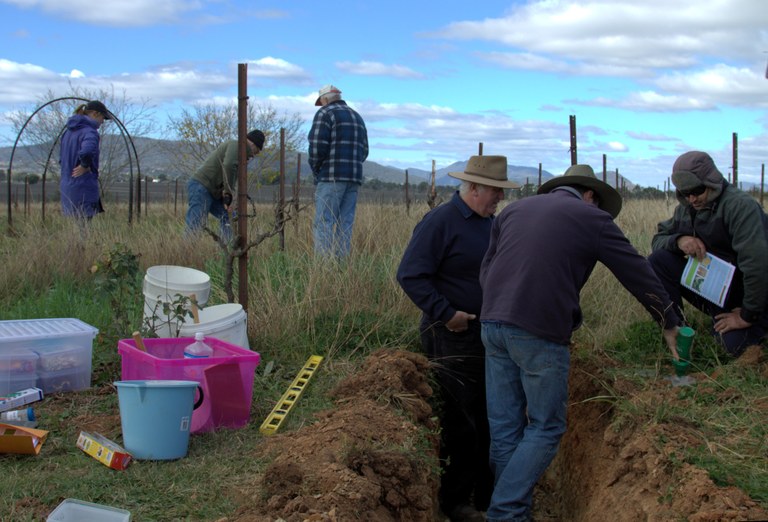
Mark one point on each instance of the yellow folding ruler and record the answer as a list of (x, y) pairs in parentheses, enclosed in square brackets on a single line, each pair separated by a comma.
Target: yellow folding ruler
[(289, 398)]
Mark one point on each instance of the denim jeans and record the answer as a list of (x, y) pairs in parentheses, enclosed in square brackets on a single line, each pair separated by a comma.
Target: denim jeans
[(335, 203), (201, 203), (526, 381)]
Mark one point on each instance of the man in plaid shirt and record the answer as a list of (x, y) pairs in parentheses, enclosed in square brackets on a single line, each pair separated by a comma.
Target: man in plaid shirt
[(338, 146)]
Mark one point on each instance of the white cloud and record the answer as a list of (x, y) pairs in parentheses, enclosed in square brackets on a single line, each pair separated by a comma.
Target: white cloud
[(269, 67), (644, 136), (120, 13), (378, 69), (654, 34)]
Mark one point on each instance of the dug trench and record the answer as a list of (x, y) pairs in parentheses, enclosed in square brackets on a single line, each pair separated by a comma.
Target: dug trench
[(373, 457)]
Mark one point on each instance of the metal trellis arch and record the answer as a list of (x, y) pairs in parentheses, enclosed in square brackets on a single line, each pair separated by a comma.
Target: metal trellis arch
[(129, 145)]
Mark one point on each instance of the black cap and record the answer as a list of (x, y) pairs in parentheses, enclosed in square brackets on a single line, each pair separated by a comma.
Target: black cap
[(257, 138), (97, 106)]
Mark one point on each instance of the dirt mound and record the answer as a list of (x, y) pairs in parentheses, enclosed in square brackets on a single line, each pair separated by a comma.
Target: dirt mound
[(373, 457), (634, 473)]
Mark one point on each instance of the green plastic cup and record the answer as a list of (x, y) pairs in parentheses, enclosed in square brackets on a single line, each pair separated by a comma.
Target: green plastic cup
[(681, 367), (684, 341)]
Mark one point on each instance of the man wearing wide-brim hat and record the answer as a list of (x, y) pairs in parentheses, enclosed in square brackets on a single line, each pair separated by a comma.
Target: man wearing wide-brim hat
[(541, 253), (439, 272)]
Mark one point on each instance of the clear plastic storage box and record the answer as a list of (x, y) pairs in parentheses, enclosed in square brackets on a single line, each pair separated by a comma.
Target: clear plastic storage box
[(73, 510), (51, 354)]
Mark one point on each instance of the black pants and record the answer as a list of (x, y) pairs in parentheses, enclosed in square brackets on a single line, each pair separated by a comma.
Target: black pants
[(458, 361), (669, 267)]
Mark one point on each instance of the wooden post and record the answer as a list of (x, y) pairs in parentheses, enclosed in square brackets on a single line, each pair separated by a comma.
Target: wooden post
[(138, 198), (432, 198), (762, 184), (281, 197), (605, 168), (735, 159), (175, 195), (242, 181), (539, 176), (296, 188), (407, 195), (574, 158), (617, 179)]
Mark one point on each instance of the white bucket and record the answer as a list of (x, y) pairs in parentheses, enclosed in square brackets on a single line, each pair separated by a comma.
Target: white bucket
[(162, 284), (227, 322)]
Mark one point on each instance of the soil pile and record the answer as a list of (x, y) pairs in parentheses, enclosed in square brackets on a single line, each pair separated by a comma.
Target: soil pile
[(374, 458)]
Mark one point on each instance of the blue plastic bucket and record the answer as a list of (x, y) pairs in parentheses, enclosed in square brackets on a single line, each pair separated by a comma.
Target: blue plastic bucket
[(156, 417)]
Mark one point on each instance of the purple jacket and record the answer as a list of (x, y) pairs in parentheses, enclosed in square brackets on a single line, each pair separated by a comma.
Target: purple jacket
[(80, 146), (543, 250)]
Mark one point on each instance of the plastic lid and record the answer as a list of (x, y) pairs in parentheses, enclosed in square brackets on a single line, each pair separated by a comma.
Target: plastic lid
[(199, 336)]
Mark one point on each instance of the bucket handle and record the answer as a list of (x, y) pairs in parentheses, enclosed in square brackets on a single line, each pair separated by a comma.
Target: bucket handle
[(200, 400)]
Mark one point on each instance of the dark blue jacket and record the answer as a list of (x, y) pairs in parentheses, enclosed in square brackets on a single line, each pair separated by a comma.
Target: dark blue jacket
[(80, 146), (441, 264)]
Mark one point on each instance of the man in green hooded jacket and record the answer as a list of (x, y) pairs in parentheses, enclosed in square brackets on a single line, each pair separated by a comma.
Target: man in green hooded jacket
[(716, 217)]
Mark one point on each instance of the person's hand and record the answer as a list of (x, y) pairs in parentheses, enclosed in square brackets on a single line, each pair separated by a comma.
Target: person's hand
[(728, 321), (226, 199), (692, 246), (460, 321), (670, 336), (79, 171)]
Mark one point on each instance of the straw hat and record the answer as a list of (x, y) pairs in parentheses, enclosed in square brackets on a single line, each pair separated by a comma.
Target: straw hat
[(583, 175), (486, 170)]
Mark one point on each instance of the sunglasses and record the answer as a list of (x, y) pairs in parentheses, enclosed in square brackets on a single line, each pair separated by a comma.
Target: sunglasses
[(696, 191)]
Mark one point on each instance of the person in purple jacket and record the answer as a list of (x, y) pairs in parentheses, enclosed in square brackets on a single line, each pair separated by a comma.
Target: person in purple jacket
[(541, 253), (79, 159)]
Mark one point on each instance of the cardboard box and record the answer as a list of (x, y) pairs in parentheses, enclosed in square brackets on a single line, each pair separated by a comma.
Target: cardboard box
[(104, 450), (26, 441), (12, 401)]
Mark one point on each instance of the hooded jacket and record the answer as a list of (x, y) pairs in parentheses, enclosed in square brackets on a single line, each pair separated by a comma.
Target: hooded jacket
[(80, 146), (733, 227)]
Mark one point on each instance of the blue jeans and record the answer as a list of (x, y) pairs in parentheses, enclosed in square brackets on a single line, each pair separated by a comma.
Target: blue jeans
[(335, 203), (201, 203), (526, 379)]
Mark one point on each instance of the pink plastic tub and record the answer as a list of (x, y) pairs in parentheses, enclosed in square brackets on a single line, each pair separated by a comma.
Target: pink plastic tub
[(226, 377)]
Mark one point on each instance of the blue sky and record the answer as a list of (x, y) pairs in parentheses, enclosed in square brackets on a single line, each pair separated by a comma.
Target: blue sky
[(646, 80)]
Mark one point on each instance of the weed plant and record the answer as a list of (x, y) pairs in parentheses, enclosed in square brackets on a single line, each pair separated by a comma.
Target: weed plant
[(300, 306)]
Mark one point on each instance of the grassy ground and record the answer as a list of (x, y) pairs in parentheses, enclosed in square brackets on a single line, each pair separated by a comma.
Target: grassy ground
[(299, 307)]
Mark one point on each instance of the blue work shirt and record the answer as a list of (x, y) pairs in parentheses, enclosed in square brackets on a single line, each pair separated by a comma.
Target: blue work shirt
[(440, 267)]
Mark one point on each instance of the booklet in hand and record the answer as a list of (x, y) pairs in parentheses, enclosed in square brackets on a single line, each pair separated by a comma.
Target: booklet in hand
[(710, 278)]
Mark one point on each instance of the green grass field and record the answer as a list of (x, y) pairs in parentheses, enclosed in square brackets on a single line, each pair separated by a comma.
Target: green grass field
[(299, 307)]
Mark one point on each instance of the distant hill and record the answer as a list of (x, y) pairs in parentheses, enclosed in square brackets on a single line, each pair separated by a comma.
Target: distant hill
[(155, 158)]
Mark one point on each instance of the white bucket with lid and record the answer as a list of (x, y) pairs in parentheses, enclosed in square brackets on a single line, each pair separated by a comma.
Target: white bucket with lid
[(227, 322), (163, 284)]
